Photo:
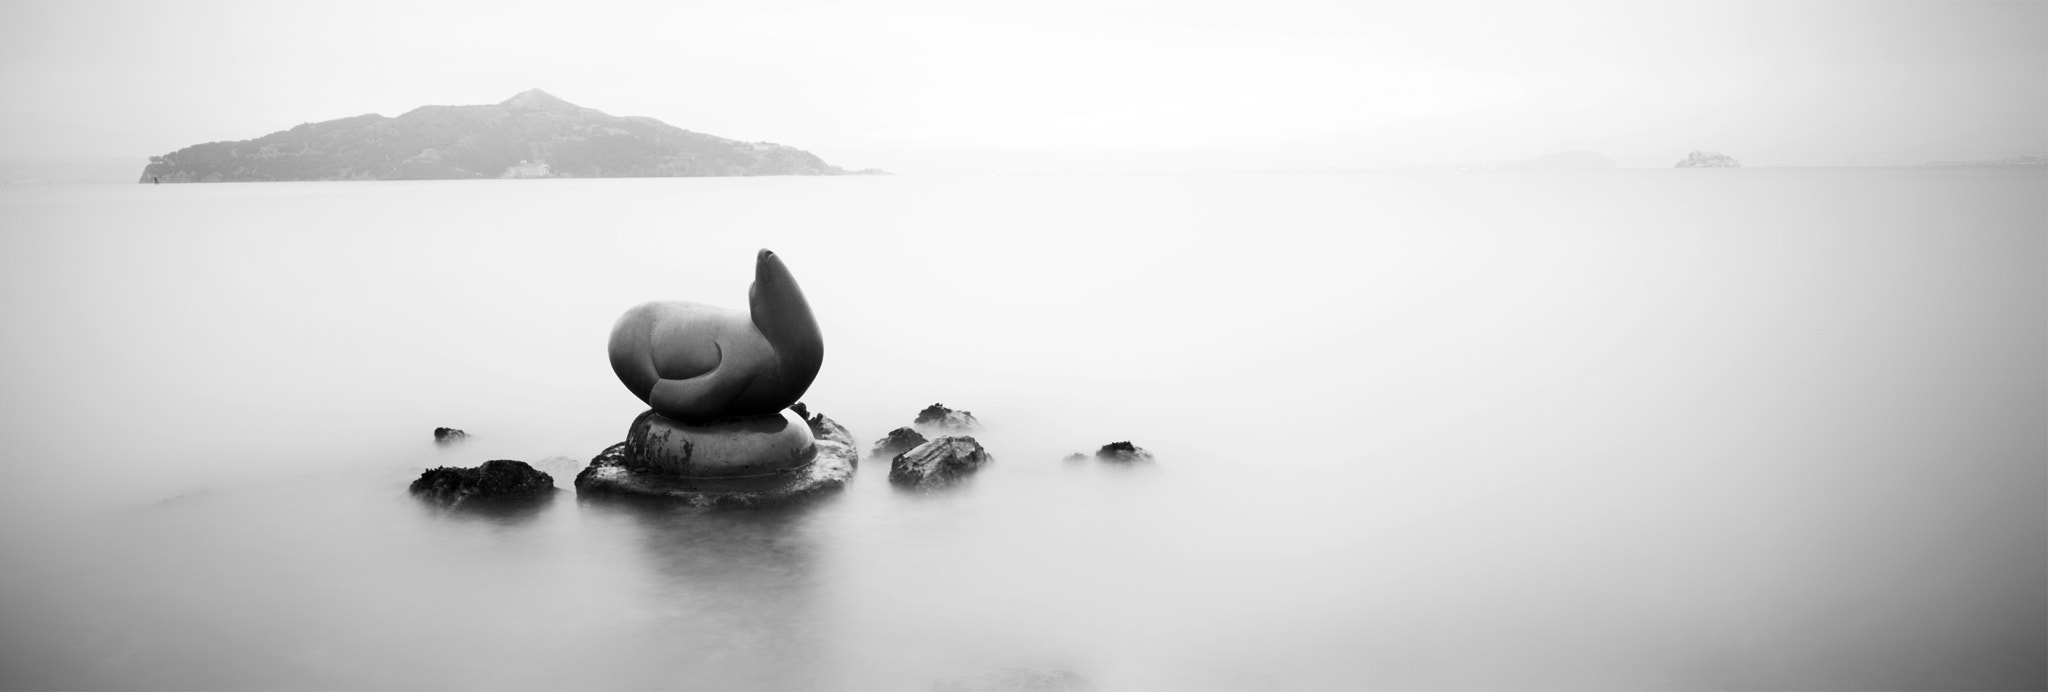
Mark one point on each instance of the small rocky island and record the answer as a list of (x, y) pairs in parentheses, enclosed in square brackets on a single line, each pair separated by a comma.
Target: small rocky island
[(531, 135), (1708, 159)]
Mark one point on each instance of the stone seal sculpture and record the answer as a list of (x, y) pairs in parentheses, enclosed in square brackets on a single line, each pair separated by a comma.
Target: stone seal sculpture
[(696, 362), (718, 384)]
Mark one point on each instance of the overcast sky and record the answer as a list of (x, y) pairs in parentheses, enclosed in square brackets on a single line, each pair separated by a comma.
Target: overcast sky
[(1097, 85)]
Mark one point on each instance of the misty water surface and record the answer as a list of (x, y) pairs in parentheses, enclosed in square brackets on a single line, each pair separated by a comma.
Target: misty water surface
[(1634, 429)]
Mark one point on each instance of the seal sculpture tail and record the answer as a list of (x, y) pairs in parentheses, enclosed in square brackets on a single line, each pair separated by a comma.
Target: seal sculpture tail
[(696, 362)]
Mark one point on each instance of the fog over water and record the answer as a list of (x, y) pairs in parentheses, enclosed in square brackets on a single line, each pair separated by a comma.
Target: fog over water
[(1647, 429)]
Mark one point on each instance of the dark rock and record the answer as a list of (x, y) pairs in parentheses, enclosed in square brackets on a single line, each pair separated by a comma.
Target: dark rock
[(899, 441), (938, 462), (1077, 456), (939, 418), (1123, 452), (495, 480), (1708, 159), (823, 428), (610, 475), (1017, 680), (447, 435)]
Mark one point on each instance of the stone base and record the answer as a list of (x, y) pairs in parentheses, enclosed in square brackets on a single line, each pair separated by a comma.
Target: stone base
[(726, 448), (609, 475)]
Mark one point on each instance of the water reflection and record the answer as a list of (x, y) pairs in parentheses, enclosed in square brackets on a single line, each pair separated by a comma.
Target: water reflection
[(506, 511), (734, 595)]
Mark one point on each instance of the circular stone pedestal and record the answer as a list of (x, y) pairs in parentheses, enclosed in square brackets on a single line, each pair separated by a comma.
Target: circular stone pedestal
[(724, 449), (749, 461)]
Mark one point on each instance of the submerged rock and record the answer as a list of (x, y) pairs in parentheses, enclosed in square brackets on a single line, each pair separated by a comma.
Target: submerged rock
[(495, 480), (899, 441), (938, 462), (1123, 452), (1077, 456), (447, 435), (612, 474), (1017, 680), (939, 418), (823, 428)]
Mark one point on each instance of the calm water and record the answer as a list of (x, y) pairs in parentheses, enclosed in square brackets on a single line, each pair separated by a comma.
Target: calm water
[(1640, 429)]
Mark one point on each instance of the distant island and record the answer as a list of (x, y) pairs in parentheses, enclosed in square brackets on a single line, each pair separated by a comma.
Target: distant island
[(531, 135), (1708, 159)]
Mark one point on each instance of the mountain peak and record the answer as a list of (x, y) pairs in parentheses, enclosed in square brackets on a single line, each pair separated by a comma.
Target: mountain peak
[(538, 100)]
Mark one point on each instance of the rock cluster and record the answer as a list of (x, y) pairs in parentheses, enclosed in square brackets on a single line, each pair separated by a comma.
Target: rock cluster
[(494, 481), (937, 463), (447, 435)]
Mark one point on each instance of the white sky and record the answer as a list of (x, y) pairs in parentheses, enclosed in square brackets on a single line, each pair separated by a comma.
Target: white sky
[(1099, 85)]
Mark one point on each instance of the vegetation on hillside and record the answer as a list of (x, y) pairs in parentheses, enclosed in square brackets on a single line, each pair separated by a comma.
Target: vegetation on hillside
[(532, 134)]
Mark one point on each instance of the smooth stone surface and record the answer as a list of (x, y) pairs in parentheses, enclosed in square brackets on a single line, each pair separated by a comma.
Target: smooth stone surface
[(937, 417), (608, 476), (494, 481), (723, 448), (1123, 452), (446, 435), (899, 441), (938, 462), (823, 427), (693, 362)]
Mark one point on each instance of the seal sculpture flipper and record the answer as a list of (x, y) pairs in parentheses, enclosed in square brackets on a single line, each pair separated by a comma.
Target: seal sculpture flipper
[(696, 362)]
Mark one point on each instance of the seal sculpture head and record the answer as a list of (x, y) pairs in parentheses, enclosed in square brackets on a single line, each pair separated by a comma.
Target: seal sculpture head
[(693, 362)]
